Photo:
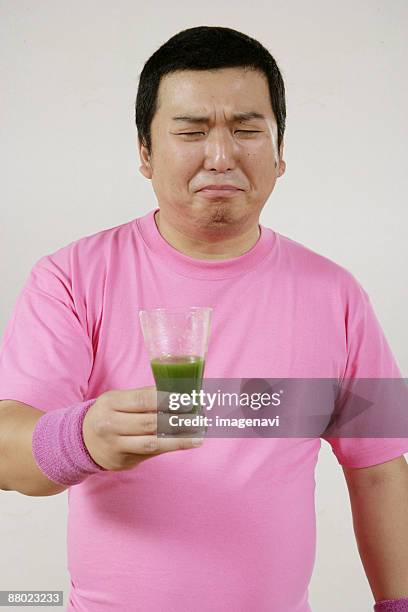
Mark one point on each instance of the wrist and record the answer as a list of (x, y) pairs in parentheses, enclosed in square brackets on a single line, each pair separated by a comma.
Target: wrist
[(58, 446), (392, 605)]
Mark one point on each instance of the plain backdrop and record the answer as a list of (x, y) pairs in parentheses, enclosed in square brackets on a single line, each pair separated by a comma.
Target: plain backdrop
[(69, 165)]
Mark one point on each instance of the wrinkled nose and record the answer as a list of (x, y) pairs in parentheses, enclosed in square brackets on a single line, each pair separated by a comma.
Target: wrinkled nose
[(220, 151)]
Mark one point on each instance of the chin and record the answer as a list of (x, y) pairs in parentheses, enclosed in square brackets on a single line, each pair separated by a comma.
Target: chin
[(222, 215), (221, 212)]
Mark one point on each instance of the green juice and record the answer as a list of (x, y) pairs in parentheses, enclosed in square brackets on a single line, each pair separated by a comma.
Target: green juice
[(178, 374)]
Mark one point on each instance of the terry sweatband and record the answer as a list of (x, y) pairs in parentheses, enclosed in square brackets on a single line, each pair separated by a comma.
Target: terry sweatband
[(392, 605), (58, 445)]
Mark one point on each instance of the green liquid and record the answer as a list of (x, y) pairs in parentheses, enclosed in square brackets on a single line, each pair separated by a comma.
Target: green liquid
[(179, 374)]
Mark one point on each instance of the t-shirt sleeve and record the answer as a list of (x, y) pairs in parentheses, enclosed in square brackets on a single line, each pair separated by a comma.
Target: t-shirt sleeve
[(46, 355), (368, 356)]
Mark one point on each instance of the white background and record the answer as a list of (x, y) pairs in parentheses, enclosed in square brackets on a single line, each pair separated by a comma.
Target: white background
[(69, 161)]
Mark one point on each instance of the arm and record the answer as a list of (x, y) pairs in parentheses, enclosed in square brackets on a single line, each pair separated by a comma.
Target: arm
[(379, 504), (18, 469)]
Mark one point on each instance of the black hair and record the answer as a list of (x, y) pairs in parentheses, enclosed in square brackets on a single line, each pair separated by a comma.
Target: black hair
[(206, 48)]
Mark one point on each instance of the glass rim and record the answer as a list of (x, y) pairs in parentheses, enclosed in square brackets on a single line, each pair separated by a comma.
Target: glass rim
[(177, 309)]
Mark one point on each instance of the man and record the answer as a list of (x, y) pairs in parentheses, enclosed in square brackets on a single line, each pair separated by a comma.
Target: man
[(159, 524)]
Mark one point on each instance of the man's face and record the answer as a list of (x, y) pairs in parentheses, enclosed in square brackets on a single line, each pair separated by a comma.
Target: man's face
[(218, 148)]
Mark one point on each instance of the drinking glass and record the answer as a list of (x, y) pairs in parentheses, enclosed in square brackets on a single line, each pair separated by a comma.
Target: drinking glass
[(177, 341)]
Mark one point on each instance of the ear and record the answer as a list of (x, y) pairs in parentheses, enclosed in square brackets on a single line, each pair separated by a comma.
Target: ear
[(282, 164), (282, 168), (145, 165)]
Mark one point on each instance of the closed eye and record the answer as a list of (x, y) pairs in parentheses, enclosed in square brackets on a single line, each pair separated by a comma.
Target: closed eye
[(195, 133)]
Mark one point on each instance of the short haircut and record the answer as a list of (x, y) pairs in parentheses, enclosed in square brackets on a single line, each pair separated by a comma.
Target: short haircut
[(206, 48)]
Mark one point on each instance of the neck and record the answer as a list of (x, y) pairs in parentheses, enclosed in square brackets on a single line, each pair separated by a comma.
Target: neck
[(224, 247)]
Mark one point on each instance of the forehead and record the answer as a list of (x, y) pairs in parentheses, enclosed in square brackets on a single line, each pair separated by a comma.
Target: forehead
[(203, 91)]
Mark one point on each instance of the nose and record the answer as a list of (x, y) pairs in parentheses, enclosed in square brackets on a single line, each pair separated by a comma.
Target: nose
[(220, 151)]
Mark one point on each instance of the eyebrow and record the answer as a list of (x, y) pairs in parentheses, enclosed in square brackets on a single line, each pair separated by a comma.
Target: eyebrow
[(236, 117)]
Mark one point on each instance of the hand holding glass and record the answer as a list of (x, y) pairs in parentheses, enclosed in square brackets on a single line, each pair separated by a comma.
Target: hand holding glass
[(177, 341)]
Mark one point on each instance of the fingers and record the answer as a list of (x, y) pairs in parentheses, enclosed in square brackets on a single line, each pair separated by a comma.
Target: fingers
[(143, 399), (146, 445), (139, 424)]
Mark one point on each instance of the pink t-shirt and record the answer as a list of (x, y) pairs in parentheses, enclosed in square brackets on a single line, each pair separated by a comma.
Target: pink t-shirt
[(230, 525)]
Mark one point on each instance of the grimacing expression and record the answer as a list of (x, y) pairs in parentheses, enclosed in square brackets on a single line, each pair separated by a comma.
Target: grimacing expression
[(213, 127)]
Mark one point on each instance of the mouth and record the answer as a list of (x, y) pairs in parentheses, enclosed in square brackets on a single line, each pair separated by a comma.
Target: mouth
[(214, 192)]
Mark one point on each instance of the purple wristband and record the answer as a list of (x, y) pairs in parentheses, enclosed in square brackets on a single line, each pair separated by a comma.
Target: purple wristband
[(392, 605), (58, 445)]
